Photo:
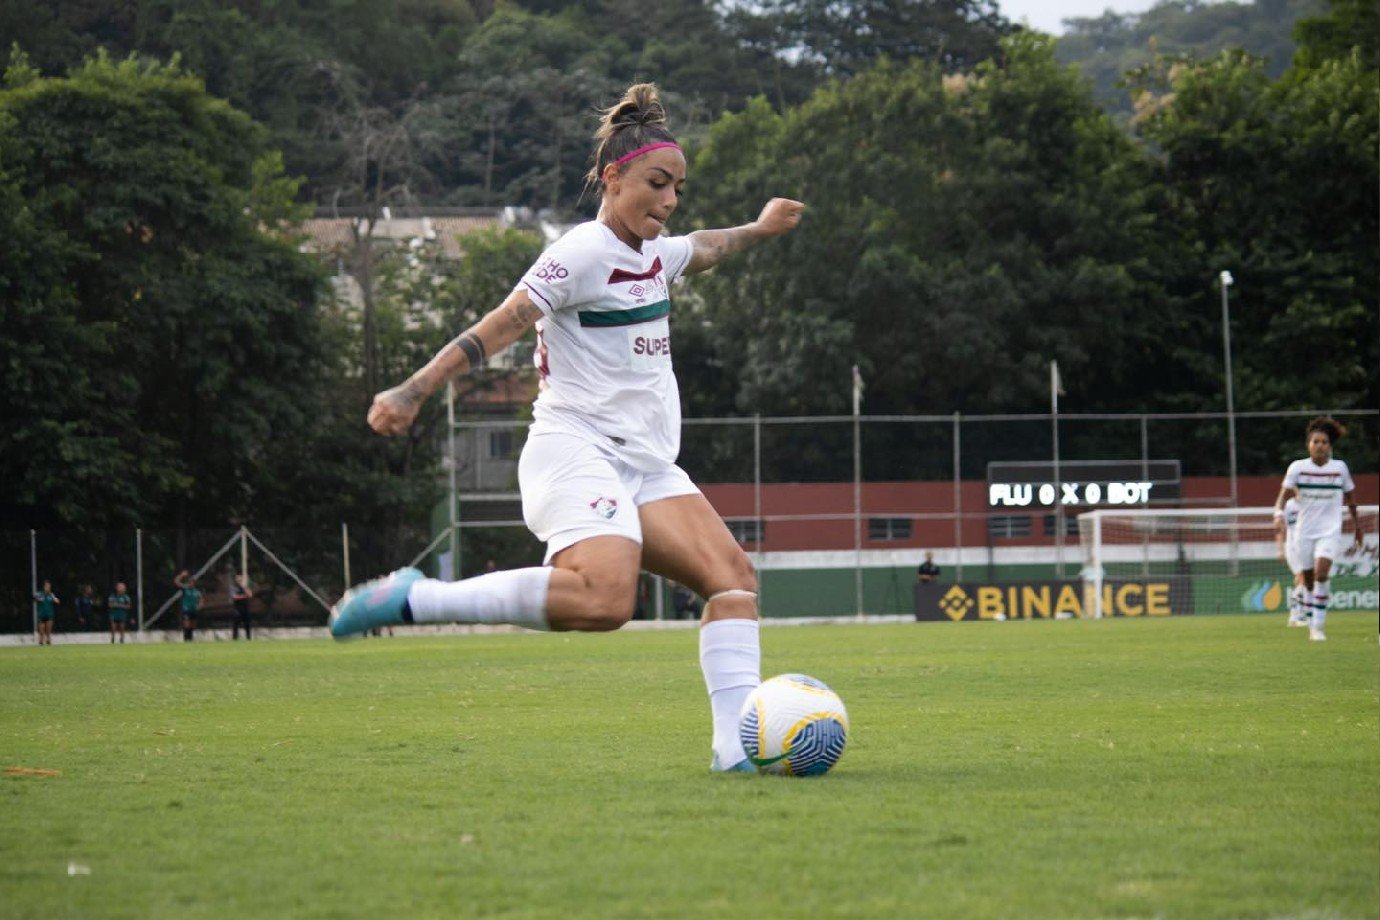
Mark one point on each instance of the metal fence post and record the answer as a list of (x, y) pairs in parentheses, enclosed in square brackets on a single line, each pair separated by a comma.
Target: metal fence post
[(758, 525), (958, 498), (139, 572), (33, 577)]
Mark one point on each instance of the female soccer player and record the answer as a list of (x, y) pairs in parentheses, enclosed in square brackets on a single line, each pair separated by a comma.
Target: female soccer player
[(598, 475), (1321, 483)]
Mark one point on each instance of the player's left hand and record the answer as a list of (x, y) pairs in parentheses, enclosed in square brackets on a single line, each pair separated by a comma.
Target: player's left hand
[(780, 215), (393, 411)]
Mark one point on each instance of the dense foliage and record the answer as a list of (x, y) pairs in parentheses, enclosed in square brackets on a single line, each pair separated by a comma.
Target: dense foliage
[(1106, 47), (974, 213)]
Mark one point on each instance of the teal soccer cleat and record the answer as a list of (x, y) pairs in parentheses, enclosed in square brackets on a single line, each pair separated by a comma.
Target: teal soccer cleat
[(372, 604), (742, 766)]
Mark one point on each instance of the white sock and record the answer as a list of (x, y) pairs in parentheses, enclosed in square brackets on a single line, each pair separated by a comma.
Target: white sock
[(516, 597), (1321, 597), (731, 658), (1297, 611), (1308, 604)]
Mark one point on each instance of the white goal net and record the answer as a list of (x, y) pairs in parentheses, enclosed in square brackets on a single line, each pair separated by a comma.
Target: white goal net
[(1219, 560)]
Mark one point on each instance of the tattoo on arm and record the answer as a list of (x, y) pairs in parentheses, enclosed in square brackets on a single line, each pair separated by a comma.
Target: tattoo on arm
[(522, 314), (473, 348), (713, 246), (413, 392)]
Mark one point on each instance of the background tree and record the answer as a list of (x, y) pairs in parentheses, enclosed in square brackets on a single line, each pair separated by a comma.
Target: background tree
[(845, 38), (166, 329), (1275, 181), (961, 233), (1107, 47)]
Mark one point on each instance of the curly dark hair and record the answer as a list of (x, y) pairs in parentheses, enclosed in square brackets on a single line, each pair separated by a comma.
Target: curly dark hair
[(1328, 426)]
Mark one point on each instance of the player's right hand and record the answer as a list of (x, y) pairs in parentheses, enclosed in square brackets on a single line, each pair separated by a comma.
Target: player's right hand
[(393, 411), (780, 215)]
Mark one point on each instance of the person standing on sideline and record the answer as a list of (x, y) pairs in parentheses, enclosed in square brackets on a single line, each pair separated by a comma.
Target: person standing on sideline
[(1322, 484), (191, 603), (47, 612), (598, 474), (1286, 548), (240, 596), (928, 571), (118, 606), (85, 606)]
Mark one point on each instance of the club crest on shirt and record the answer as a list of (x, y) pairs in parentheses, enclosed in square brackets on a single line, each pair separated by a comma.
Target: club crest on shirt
[(606, 508)]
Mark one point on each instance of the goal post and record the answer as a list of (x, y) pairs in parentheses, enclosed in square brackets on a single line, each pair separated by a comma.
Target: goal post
[(1218, 560)]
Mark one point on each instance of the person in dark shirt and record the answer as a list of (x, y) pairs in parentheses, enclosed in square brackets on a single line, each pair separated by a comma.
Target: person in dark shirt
[(85, 605), (928, 571), (240, 596)]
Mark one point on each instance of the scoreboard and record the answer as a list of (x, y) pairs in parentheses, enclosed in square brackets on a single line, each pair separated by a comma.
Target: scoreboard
[(1082, 483)]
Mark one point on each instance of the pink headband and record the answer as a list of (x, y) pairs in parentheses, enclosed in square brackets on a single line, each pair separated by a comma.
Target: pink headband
[(641, 150)]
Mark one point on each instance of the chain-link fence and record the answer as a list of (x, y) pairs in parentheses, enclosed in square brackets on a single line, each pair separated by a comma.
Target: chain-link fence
[(865, 494)]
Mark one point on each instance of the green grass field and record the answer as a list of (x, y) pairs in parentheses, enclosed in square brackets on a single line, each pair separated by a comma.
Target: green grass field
[(1208, 767)]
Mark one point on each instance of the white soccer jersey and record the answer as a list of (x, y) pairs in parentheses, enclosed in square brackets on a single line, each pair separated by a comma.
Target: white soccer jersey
[(1320, 490), (604, 342)]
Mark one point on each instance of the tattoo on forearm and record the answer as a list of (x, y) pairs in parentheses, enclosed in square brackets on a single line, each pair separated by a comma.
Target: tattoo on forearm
[(522, 314), (473, 348), (713, 246), (413, 392)]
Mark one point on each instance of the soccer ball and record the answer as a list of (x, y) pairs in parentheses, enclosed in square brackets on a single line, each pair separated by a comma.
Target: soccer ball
[(793, 725)]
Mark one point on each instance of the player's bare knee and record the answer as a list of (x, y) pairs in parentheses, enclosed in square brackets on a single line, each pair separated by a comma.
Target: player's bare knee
[(736, 573), (610, 604)]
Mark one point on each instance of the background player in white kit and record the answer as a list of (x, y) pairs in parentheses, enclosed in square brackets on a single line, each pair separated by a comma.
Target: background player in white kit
[(1286, 549), (1322, 484), (598, 475)]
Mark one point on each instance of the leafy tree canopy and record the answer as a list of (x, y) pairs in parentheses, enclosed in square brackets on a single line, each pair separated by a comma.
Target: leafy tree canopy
[(157, 331), (1106, 47)]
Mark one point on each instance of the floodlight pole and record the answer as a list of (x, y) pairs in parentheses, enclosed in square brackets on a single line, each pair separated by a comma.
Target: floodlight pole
[(1225, 281)]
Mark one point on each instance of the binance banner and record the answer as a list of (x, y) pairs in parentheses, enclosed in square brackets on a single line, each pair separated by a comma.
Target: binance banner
[(1061, 599)]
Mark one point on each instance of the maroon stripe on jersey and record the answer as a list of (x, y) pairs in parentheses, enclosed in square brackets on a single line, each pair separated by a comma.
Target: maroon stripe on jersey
[(532, 290), (619, 276)]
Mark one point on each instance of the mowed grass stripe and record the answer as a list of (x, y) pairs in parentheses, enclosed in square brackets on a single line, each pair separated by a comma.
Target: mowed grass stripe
[(1209, 767)]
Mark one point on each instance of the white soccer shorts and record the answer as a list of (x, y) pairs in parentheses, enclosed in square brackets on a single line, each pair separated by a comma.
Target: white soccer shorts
[(573, 489), (1311, 548)]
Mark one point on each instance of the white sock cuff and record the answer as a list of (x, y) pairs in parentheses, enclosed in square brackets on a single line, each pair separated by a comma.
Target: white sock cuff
[(730, 654), (732, 631)]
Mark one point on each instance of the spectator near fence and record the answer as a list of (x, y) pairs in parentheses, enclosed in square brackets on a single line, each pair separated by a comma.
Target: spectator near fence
[(85, 606), (240, 596), (47, 612), (684, 602), (191, 603), (118, 605), (928, 571)]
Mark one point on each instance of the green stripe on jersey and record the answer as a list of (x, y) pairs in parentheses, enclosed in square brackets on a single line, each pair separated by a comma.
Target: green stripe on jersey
[(625, 317), (1309, 485)]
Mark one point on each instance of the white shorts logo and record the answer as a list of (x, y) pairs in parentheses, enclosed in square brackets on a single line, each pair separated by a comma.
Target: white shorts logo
[(606, 508)]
